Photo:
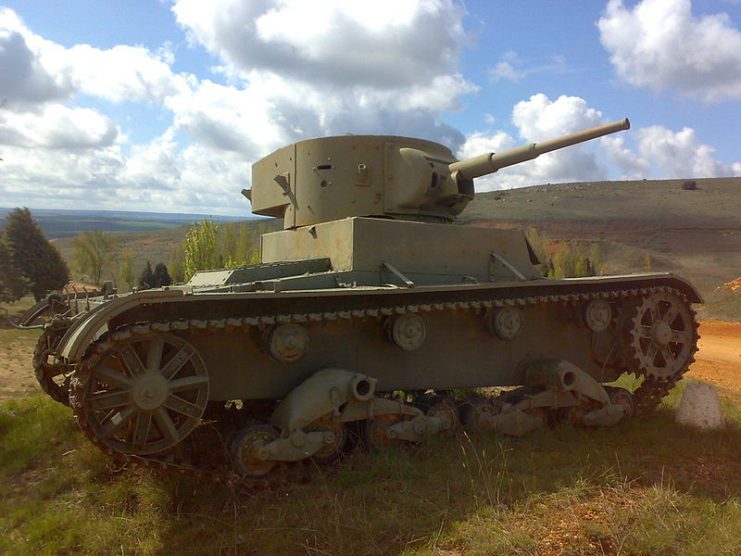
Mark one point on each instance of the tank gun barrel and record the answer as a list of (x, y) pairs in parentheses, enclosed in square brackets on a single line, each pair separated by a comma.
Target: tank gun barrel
[(489, 163)]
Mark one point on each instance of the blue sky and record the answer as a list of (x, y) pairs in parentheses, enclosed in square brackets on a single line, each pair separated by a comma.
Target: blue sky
[(163, 106)]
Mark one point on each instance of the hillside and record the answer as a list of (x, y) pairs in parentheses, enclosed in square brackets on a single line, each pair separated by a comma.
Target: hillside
[(696, 233)]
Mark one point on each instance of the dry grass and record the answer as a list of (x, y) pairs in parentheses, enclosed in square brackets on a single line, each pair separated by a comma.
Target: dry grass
[(646, 486)]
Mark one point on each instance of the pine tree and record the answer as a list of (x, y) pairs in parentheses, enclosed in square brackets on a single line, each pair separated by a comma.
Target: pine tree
[(161, 276), (12, 283), (146, 278), (37, 260)]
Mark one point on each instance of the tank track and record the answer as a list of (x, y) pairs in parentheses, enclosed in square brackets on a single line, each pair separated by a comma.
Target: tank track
[(646, 397), (45, 371)]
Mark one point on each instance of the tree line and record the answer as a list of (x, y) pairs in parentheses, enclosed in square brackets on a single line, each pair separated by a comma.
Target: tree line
[(207, 245), (29, 263)]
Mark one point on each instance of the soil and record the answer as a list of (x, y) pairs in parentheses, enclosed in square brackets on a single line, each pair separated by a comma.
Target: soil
[(718, 360), (16, 373)]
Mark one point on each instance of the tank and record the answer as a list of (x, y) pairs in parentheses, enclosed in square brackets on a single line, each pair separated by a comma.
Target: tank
[(369, 313)]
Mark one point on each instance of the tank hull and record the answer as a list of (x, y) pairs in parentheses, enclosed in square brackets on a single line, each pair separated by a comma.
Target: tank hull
[(347, 328)]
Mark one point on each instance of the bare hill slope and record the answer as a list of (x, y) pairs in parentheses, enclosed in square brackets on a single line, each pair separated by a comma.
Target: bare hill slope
[(694, 232)]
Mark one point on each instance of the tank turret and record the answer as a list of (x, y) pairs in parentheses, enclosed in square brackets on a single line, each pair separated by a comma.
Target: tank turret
[(325, 179)]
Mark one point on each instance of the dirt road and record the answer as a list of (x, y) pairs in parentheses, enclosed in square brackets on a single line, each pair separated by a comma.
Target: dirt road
[(718, 360)]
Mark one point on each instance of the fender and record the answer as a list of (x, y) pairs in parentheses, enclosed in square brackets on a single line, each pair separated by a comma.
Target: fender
[(91, 325)]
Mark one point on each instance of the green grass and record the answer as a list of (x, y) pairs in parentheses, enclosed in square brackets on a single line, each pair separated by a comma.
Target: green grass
[(647, 486)]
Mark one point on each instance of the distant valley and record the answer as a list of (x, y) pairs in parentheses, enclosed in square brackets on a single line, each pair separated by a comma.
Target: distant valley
[(61, 223)]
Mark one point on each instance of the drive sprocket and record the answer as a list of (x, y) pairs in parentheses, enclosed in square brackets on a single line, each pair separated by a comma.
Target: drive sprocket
[(663, 341)]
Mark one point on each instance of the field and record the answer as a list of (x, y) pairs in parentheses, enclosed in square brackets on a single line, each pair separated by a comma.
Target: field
[(646, 486)]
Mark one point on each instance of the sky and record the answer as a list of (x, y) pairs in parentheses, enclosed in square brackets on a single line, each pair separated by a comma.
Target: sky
[(164, 105)]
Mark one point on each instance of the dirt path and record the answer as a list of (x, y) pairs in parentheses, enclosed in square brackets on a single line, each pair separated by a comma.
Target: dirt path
[(718, 360)]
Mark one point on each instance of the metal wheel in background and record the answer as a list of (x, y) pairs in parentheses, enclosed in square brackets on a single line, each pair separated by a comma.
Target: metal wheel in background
[(245, 450), (375, 432), (330, 451)]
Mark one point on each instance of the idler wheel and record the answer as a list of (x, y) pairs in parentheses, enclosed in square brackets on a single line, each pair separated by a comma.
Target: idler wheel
[(143, 395), (246, 448)]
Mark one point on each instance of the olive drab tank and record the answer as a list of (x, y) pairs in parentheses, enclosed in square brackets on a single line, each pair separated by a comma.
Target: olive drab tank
[(365, 312)]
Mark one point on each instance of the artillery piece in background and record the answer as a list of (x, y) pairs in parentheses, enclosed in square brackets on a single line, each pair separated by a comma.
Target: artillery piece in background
[(366, 292)]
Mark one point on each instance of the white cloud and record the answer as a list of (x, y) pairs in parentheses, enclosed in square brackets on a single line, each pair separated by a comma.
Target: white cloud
[(331, 67), (36, 70), (121, 73), (384, 44), (680, 154), (663, 153), (294, 70), (23, 78), (540, 118), (660, 44), (659, 152), (513, 68), (62, 178), (505, 70), (628, 161), (56, 127), (479, 142), (537, 119)]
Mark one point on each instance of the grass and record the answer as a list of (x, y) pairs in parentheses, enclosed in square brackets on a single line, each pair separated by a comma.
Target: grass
[(647, 486)]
